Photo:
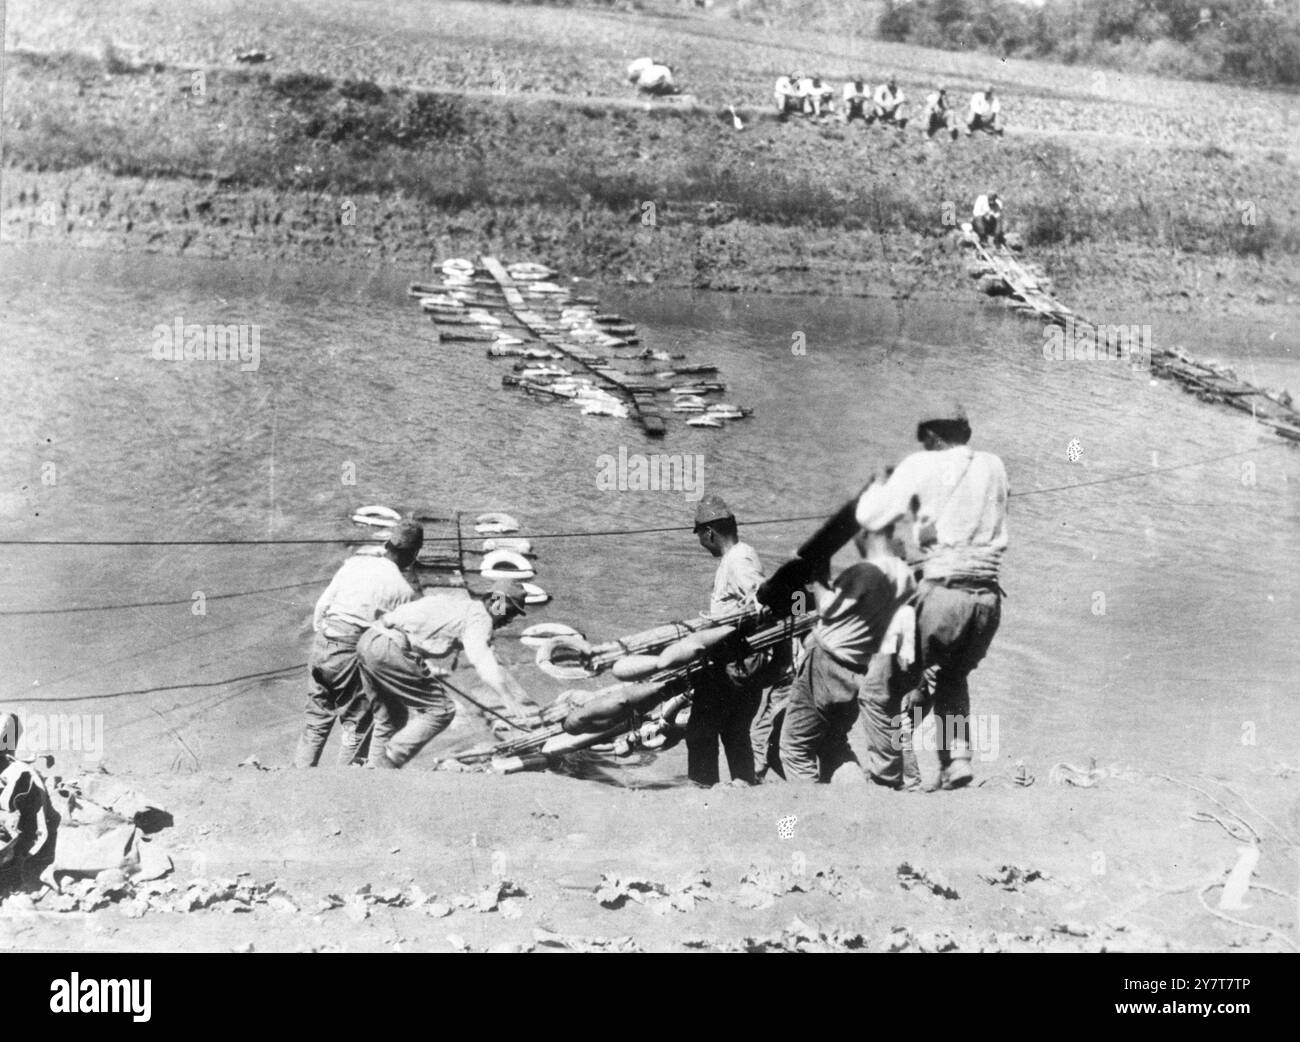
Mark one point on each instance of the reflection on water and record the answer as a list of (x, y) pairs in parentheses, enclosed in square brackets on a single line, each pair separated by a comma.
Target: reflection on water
[(1195, 569)]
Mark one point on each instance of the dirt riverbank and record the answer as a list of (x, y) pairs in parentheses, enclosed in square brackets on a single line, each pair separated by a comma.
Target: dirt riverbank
[(1116, 867), (1137, 202)]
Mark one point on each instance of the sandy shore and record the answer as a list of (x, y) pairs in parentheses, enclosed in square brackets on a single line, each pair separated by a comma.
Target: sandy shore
[(1087, 861)]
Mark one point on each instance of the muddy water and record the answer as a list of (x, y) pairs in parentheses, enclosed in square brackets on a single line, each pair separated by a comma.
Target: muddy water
[(1150, 620)]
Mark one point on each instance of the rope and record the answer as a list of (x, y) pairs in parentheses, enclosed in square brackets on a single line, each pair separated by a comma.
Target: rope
[(1200, 896), (599, 533), (1154, 470), (592, 533), (1232, 828), (158, 604), (173, 687), (1217, 802), (479, 705)]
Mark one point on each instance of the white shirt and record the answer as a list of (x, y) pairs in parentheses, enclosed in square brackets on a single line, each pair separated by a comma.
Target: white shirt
[(981, 106), (362, 590), (655, 76), (886, 98), (737, 579), (900, 638), (439, 624), (983, 208), (851, 92), (933, 104), (785, 86), (963, 493)]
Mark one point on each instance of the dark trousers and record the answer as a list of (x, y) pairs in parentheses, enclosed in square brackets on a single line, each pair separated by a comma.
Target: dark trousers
[(821, 715), (890, 116), (722, 711), (987, 226), (955, 626), (880, 706), (942, 121)]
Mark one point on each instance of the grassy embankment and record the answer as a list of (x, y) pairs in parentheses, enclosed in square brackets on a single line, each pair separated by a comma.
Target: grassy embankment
[(132, 156)]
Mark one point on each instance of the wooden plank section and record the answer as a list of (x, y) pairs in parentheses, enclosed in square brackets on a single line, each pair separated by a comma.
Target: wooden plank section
[(1273, 409), (644, 408)]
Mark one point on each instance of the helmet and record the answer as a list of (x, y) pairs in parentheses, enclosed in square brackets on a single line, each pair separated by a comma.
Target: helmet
[(712, 508)]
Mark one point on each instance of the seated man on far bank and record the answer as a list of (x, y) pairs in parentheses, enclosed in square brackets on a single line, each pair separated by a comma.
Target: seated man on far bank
[(856, 98), (816, 95), (986, 219), (939, 115), (845, 666), (651, 77), (788, 102), (406, 654), (888, 107), (985, 113)]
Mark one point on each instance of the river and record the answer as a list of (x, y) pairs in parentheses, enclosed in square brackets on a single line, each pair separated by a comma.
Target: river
[(1150, 621)]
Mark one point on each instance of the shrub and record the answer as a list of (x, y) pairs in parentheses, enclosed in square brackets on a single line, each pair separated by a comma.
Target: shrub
[(363, 91), (1257, 41)]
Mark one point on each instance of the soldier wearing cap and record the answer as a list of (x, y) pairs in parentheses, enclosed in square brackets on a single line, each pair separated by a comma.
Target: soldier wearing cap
[(985, 112), (847, 670), (888, 107), (407, 652), (958, 497), (939, 114), (986, 218), (362, 590), (726, 704)]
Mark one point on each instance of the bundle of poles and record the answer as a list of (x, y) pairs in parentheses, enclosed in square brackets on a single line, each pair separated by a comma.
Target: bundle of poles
[(658, 670), (646, 712)]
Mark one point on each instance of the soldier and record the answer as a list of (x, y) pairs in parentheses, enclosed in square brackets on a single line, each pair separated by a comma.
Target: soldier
[(847, 664), (787, 97), (856, 96), (959, 497), (406, 653), (986, 218), (939, 115), (726, 704), (888, 106), (985, 113), (362, 590)]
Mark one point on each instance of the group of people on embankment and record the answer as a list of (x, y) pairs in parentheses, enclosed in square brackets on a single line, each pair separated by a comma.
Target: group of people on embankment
[(814, 97)]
